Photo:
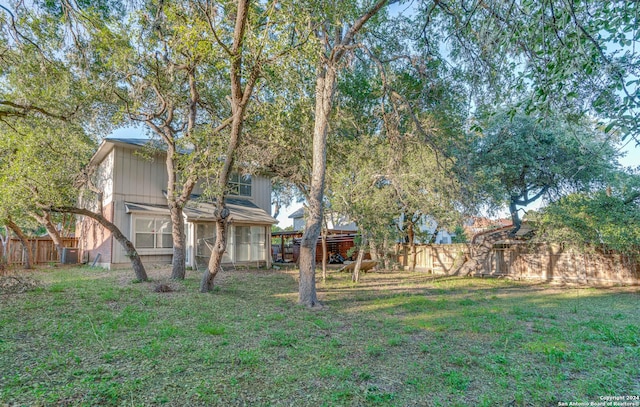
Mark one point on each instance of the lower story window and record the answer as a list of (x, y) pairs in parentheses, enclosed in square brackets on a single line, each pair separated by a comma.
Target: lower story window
[(153, 233), (250, 243), (205, 236)]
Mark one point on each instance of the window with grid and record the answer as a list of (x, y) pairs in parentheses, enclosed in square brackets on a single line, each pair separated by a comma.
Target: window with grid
[(153, 233), (239, 185)]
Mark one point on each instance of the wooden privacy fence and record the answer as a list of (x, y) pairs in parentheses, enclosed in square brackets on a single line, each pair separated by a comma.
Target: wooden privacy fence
[(434, 258), (43, 249), (553, 262), (546, 262)]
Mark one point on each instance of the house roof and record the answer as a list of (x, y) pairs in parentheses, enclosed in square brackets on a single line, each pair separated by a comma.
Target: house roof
[(108, 143), (297, 214), (522, 233), (337, 223), (140, 142), (242, 211)]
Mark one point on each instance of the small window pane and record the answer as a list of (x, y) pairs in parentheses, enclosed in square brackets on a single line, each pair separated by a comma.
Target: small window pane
[(144, 240), (165, 240), (245, 190), (243, 234), (243, 243), (163, 226), (257, 243), (239, 185), (234, 189), (144, 225)]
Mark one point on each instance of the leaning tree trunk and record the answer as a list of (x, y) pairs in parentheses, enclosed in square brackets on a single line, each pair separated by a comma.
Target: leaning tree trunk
[(45, 220), (220, 246), (130, 249), (28, 264)]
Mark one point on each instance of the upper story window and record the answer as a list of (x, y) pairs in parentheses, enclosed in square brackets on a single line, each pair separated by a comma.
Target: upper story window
[(240, 185)]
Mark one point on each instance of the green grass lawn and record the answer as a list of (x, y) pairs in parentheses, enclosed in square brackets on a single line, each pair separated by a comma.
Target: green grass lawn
[(94, 337)]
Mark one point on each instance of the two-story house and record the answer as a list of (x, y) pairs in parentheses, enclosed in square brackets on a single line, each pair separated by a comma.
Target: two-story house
[(134, 198)]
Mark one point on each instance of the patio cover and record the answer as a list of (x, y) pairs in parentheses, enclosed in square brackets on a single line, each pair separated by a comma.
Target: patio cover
[(242, 211)]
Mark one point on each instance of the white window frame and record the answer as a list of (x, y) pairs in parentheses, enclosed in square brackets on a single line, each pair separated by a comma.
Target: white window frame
[(156, 233), (254, 249), (237, 183)]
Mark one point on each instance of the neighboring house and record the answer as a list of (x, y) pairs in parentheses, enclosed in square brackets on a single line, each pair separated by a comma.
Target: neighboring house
[(426, 227), (476, 224), (334, 221), (133, 198), (298, 219), (340, 237)]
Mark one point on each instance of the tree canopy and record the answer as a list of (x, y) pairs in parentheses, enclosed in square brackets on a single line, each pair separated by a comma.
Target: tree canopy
[(414, 108), (608, 219), (517, 160)]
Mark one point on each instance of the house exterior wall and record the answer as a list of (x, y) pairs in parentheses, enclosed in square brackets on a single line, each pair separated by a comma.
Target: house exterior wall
[(137, 179), (261, 193), (93, 239), (298, 223), (104, 178), (125, 176)]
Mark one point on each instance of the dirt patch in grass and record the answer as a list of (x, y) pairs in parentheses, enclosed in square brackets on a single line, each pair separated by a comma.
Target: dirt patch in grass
[(15, 284)]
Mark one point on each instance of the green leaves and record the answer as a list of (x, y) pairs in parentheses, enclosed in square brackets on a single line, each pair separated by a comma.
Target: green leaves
[(593, 220), (520, 158), (574, 57)]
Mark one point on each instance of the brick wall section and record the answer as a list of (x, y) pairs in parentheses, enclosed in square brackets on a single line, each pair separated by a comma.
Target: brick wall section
[(94, 239)]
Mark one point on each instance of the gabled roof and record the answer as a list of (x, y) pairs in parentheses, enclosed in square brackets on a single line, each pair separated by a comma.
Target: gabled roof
[(108, 143), (140, 142), (522, 233), (297, 214)]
